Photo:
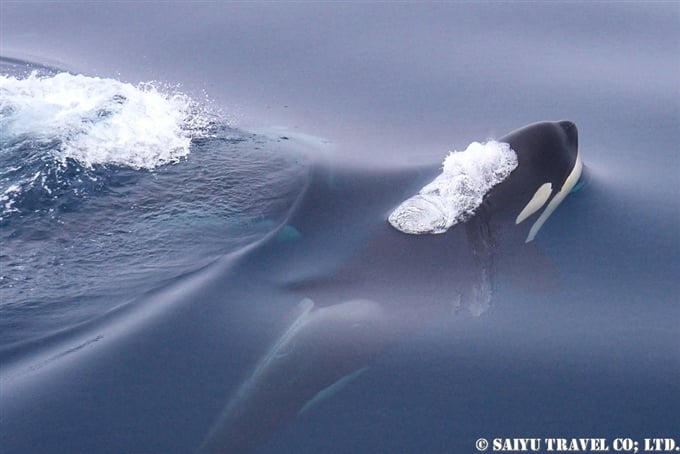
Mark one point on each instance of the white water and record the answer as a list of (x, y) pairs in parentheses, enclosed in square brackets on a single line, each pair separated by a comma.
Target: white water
[(454, 195), (99, 121)]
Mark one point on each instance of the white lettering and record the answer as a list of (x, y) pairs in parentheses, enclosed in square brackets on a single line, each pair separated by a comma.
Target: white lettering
[(660, 444), (576, 444), (516, 444)]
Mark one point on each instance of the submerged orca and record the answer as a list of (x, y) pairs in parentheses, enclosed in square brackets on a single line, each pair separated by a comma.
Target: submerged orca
[(352, 309)]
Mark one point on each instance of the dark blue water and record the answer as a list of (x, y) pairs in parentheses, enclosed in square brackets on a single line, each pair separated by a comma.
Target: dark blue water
[(176, 178)]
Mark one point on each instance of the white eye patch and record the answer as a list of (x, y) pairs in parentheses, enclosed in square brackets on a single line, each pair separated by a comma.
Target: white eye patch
[(536, 203), (566, 188)]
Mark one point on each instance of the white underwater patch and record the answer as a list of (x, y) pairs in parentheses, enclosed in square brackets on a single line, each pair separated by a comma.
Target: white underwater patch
[(454, 195), (94, 120)]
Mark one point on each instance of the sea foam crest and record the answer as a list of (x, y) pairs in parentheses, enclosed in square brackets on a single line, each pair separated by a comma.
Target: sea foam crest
[(458, 191), (96, 120)]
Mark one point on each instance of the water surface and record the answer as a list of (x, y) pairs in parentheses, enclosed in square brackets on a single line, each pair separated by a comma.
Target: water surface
[(133, 302)]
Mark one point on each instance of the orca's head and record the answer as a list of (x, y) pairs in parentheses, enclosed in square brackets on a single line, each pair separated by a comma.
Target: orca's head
[(523, 177), (548, 169)]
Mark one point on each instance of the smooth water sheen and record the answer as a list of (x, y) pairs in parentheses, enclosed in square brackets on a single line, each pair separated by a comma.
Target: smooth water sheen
[(180, 180)]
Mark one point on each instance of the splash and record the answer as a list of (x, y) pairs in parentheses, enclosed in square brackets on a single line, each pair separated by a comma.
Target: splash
[(458, 191), (60, 133), (94, 120)]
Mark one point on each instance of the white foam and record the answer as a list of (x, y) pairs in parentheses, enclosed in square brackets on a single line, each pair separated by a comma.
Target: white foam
[(100, 121), (454, 195), (7, 199)]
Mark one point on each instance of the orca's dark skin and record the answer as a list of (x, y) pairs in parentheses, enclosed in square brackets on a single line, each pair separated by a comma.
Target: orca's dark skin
[(376, 296), (546, 152)]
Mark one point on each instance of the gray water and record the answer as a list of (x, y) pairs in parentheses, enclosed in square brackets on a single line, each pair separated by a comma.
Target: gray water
[(581, 339)]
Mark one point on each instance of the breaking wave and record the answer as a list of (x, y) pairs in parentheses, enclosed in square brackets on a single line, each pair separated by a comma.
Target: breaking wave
[(63, 131)]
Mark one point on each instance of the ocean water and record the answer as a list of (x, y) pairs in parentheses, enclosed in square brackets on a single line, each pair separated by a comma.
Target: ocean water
[(194, 235)]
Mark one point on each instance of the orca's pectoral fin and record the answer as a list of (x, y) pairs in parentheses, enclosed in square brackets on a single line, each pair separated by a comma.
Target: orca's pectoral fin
[(332, 390), (321, 350)]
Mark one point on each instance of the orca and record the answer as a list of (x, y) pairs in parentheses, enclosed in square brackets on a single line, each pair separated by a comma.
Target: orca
[(351, 310), (272, 331)]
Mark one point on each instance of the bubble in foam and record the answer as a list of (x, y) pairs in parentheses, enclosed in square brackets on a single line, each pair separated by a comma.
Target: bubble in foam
[(458, 191)]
